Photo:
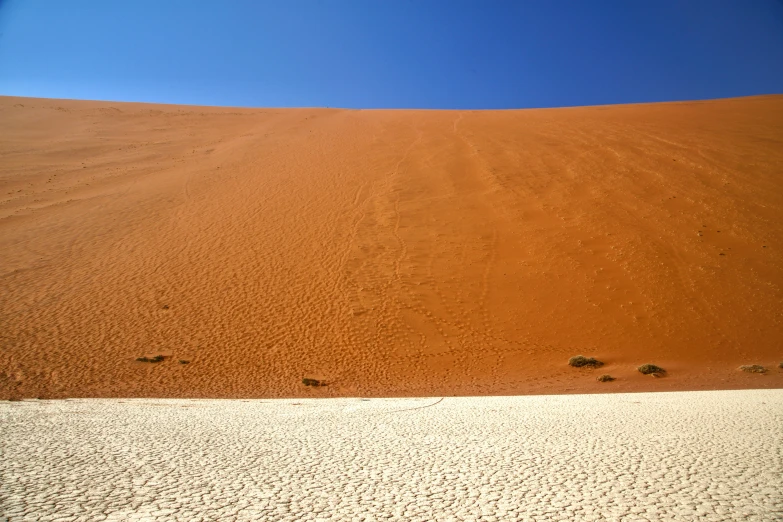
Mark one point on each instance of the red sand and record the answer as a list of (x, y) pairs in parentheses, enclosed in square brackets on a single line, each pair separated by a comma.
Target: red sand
[(388, 252)]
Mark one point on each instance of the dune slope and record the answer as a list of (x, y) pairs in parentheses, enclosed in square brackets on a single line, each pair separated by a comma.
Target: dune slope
[(388, 252)]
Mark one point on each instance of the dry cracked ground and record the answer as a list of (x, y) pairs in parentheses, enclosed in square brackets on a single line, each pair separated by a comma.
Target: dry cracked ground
[(651, 456)]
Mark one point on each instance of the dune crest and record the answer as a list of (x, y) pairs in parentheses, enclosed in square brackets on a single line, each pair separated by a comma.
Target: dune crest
[(387, 252)]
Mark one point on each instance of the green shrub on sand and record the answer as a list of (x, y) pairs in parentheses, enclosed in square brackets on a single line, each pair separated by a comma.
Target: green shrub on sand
[(651, 369), (752, 368), (580, 361), (155, 359)]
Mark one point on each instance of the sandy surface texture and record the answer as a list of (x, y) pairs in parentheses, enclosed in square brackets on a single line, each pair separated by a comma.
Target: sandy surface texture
[(406, 253), (633, 457)]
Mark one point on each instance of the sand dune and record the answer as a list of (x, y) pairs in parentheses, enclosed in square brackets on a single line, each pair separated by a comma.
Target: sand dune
[(388, 252)]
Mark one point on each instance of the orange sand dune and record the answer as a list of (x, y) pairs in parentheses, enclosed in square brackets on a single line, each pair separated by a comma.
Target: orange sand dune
[(388, 252)]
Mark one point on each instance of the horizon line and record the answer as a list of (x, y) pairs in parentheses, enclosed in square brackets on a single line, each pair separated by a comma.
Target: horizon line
[(250, 108)]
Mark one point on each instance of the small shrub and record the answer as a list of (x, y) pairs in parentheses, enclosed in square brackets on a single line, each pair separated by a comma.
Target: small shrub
[(312, 382), (605, 378), (752, 368), (651, 369), (780, 365), (184, 361), (155, 359), (580, 361)]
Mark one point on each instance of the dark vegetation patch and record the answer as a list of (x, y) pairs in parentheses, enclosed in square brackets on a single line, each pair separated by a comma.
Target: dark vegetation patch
[(651, 369), (153, 359), (312, 382), (580, 361), (606, 378), (753, 368)]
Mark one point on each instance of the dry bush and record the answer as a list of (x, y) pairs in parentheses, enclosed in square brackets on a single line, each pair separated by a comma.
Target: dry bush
[(155, 359), (580, 361), (651, 369)]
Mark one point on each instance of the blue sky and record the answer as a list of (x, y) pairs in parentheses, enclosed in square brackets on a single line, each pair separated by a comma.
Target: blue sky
[(391, 54)]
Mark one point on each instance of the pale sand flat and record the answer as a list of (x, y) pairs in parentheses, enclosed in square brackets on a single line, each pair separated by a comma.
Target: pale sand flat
[(651, 456)]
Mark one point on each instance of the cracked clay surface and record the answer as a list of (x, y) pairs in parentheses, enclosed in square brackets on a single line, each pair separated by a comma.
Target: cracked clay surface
[(650, 456)]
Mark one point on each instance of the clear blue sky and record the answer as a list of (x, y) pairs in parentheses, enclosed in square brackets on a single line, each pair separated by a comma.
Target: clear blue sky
[(391, 53)]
